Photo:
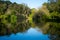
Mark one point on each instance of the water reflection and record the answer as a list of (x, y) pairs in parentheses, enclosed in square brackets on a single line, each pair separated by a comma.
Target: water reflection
[(31, 34), (20, 27), (54, 31), (51, 28), (27, 31)]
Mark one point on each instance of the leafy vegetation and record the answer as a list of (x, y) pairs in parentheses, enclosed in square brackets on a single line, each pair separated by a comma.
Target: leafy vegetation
[(19, 17)]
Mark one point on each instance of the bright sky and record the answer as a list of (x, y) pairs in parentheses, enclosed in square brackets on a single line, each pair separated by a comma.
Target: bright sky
[(30, 3)]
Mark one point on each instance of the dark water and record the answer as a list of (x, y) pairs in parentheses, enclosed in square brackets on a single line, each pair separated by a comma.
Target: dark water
[(44, 31)]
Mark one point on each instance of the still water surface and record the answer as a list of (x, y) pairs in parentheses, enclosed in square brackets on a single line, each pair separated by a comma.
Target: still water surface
[(42, 31), (30, 34)]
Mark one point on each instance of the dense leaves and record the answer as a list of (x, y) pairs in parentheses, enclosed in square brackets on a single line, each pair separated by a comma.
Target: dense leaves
[(19, 18), (13, 17)]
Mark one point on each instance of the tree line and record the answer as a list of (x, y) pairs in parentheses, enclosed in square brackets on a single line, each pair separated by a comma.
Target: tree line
[(14, 16)]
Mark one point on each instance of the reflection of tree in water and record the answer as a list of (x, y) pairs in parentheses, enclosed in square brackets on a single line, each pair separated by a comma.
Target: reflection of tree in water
[(52, 29), (21, 27)]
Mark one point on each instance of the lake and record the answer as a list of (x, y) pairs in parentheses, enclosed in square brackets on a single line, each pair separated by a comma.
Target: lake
[(47, 31), (30, 34)]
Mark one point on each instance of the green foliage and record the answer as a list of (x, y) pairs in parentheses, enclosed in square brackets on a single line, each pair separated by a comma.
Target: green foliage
[(10, 14), (16, 17), (3, 19), (13, 19), (40, 17), (54, 5), (12, 10), (8, 19), (55, 14)]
